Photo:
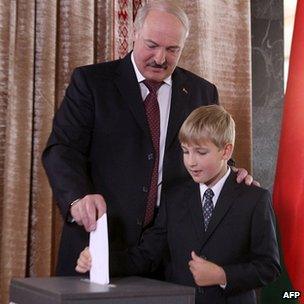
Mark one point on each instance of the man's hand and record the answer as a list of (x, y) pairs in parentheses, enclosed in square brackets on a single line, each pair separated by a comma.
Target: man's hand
[(87, 210), (84, 261), (243, 176), (206, 273)]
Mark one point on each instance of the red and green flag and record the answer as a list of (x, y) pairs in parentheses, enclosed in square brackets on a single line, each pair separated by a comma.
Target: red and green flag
[(288, 193)]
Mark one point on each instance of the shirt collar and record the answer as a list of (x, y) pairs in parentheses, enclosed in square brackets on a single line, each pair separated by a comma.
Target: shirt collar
[(141, 78), (217, 188)]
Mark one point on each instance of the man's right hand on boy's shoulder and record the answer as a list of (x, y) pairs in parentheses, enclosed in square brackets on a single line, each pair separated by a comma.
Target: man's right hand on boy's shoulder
[(86, 210), (243, 176), (84, 261)]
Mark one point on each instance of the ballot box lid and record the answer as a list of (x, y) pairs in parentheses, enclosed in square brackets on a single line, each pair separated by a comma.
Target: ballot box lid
[(81, 288)]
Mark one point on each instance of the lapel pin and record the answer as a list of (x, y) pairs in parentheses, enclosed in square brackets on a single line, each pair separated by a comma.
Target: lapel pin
[(185, 91)]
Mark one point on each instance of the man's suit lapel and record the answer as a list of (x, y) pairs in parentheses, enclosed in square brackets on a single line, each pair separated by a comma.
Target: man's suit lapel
[(224, 203), (128, 86), (180, 95)]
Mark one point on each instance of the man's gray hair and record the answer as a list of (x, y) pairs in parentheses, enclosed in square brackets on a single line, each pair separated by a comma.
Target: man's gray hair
[(164, 6)]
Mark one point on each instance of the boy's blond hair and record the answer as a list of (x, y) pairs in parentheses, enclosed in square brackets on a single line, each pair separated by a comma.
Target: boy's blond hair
[(212, 123)]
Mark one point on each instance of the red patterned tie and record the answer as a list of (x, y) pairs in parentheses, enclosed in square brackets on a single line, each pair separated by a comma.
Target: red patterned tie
[(153, 117)]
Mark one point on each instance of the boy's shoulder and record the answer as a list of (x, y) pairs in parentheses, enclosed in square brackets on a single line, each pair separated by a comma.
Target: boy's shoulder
[(252, 193), (252, 189)]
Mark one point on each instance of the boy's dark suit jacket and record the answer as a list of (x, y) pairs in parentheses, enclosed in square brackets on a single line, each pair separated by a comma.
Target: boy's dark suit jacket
[(100, 143), (240, 237)]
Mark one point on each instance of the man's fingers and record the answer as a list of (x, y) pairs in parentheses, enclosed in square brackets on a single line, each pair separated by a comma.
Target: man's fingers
[(91, 215), (83, 216), (256, 183), (241, 174), (101, 207), (234, 169), (85, 211), (248, 180)]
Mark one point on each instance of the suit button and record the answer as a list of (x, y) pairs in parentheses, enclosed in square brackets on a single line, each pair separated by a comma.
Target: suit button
[(145, 189), (150, 156), (139, 221)]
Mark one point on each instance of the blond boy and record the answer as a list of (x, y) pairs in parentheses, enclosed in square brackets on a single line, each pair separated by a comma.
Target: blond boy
[(216, 234)]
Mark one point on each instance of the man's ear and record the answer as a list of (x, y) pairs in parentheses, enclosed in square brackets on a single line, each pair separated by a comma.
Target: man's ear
[(227, 151)]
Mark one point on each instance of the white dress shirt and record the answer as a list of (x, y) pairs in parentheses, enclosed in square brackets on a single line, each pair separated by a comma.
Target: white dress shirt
[(217, 188), (164, 103)]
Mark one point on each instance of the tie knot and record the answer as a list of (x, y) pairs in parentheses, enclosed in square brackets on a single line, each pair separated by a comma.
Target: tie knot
[(209, 194), (153, 86)]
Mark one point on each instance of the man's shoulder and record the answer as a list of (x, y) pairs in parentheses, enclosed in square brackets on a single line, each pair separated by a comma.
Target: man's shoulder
[(193, 77), (204, 91), (106, 68)]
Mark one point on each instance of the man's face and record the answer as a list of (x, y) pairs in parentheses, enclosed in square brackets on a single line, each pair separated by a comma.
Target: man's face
[(158, 45), (205, 162)]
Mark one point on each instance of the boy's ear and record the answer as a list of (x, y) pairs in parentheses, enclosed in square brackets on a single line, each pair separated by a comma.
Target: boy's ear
[(227, 151)]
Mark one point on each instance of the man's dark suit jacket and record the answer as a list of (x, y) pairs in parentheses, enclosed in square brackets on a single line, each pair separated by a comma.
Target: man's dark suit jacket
[(100, 143), (240, 237)]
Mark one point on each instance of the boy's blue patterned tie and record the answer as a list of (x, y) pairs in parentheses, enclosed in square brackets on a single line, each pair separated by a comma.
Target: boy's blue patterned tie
[(207, 207)]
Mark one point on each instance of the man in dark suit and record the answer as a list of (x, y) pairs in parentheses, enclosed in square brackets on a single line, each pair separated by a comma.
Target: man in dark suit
[(220, 234), (101, 153)]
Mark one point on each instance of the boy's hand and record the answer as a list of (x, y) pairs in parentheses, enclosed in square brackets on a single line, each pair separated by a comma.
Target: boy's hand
[(206, 273), (84, 261), (243, 176)]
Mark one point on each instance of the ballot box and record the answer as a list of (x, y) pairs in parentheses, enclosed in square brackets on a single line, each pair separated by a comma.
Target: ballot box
[(76, 290)]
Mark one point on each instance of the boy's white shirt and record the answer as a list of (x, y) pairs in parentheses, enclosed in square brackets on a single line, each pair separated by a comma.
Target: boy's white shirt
[(217, 188)]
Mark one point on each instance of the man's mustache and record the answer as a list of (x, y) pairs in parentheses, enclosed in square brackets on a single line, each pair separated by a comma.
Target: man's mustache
[(153, 64)]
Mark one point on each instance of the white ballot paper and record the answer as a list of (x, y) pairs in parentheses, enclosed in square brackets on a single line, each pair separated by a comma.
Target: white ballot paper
[(99, 250)]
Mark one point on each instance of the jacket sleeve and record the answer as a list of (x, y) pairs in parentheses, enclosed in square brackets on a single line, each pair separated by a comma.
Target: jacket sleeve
[(263, 264), (65, 157), (147, 255)]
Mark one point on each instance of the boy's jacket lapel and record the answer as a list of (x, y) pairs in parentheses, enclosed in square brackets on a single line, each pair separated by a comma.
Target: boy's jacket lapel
[(196, 210), (224, 203)]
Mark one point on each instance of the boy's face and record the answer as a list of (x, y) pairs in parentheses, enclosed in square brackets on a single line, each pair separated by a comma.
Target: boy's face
[(205, 162)]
